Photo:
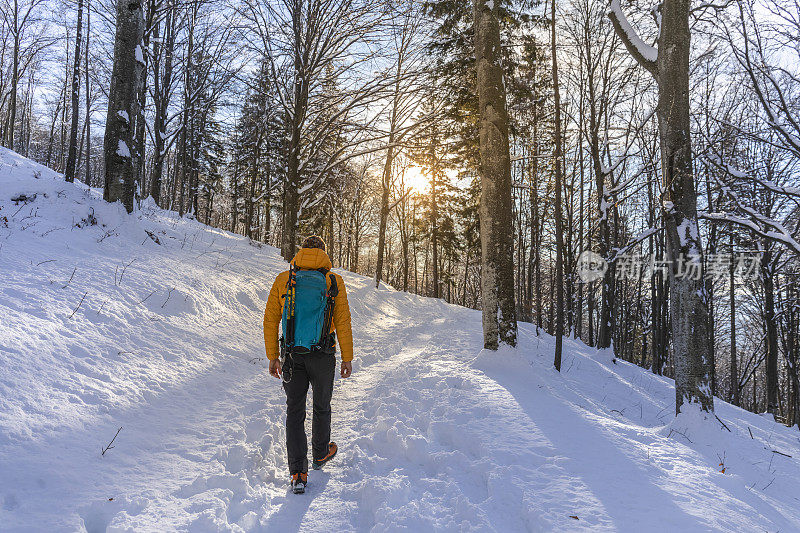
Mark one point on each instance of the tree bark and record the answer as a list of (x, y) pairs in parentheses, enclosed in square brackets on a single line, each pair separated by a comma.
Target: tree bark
[(734, 378), (559, 281), (386, 185), (122, 104), (299, 108), (140, 152), (687, 295), (72, 151), (14, 77), (688, 299), (496, 210), (770, 321), (88, 99)]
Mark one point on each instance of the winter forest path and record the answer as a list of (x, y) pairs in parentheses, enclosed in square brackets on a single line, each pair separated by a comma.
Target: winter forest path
[(434, 433)]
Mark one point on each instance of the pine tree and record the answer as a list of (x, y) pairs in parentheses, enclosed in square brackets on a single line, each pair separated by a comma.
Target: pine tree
[(452, 50), (260, 155)]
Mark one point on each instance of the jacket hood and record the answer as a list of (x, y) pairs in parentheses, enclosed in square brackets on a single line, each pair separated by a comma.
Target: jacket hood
[(312, 259)]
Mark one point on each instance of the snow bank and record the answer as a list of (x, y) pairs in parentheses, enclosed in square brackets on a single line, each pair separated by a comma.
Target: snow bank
[(152, 323)]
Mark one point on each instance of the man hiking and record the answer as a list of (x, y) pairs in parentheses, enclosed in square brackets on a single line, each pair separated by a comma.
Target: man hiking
[(310, 303)]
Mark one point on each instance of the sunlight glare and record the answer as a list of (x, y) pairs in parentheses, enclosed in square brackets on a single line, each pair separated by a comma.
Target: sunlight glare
[(415, 178)]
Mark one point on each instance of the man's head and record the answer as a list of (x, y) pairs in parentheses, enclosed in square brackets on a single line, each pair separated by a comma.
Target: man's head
[(314, 241)]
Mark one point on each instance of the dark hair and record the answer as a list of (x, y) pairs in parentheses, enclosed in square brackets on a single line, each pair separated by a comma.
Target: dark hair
[(314, 241)]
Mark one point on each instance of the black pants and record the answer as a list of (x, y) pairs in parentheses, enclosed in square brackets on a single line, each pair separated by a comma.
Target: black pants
[(315, 369)]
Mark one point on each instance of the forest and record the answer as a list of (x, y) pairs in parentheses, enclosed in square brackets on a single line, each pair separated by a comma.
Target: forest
[(623, 173)]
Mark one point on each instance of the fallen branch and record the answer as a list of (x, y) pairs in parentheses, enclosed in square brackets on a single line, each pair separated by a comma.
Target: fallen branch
[(51, 230), (108, 233), (146, 297), (723, 423), (781, 453), (169, 295), (79, 304), (70, 278), (119, 283), (152, 236), (104, 450), (671, 431)]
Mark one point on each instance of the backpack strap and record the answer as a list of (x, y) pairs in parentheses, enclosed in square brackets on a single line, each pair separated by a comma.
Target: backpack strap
[(333, 292), (291, 287)]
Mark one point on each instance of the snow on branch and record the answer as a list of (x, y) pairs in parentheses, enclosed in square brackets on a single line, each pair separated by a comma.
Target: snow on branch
[(781, 237), (717, 161), (759, 223), (645, 54), (776, 105), (643, 236)]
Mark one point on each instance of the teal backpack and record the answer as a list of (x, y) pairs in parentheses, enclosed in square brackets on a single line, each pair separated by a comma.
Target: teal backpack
[(308, 311)]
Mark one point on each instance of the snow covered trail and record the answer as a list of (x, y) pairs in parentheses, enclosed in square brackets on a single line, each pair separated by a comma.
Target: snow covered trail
[(101, 328)]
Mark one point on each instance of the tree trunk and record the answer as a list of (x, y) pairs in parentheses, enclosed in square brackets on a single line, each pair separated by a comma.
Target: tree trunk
[(387, 170), (496, 211), (14, 78), (291, 199), (250, 204), (767, 273), (688, 298), (122, 105), (559, 281), (72, 152), (140, 143), (386, 185), (734, 393), (235, 192), (162, 81), (268, 204), (581, 246), (88, 100), (435, 225), (300, 102)]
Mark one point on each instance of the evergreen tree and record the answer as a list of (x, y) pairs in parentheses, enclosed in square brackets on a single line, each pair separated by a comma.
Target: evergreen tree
[(260, 160), (452, 50)]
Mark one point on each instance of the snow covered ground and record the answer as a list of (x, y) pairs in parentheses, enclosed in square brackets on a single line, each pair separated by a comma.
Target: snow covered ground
[(102, 328)]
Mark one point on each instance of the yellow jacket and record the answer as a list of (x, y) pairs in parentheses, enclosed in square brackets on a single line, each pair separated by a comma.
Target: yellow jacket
[(312, 259)]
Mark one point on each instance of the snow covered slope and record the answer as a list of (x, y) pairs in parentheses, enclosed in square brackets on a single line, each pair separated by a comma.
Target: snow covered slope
[(102, 327)]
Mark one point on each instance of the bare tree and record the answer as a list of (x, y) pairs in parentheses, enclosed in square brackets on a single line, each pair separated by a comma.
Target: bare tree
[(88, 97), (405, 28), (19, 16), (669, 65), (312, 45)]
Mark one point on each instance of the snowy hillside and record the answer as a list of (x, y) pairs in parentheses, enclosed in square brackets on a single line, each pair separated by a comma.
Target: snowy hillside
[(152, 324)]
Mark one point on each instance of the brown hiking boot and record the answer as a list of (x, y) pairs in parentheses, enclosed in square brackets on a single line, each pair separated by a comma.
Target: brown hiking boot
[(299, 482), (332, 449)]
